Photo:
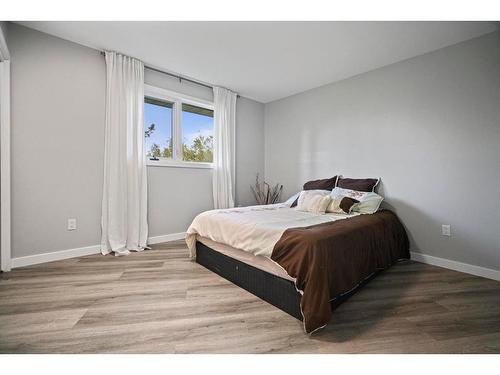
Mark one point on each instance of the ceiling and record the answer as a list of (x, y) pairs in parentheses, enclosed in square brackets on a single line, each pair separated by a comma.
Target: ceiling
[(266, 61)]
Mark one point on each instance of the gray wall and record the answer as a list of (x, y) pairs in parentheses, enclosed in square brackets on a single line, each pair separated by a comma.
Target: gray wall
[(429, 126), (57, 114), (249, 148), (58, 90)]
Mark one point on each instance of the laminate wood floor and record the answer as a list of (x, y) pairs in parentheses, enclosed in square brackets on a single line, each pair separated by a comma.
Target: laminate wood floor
[(158, 301)]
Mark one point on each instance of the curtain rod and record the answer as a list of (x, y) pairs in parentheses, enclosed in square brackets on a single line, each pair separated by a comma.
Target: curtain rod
[(179, 77)]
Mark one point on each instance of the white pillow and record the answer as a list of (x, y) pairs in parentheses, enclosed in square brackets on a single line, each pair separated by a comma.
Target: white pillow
[(292, 199), (369, 202), (315, 201)]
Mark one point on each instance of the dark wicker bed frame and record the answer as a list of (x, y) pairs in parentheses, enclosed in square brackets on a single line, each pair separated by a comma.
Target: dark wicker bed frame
[(272, 289)]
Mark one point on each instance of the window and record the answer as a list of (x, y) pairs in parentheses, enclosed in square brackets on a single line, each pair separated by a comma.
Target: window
[(178, 130)]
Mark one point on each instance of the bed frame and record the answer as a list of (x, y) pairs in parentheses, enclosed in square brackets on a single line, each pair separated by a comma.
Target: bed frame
[(273, 289)]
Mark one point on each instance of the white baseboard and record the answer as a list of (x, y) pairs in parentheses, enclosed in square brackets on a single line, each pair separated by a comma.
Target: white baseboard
[(456, 266), (56, 255), (90, 250), (82, 251), (166, 238)]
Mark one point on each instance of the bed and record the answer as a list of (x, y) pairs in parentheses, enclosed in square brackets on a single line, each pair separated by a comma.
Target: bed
[(301, 262)]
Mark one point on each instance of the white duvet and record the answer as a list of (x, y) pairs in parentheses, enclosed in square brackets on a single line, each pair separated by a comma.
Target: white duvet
[(254, 229)]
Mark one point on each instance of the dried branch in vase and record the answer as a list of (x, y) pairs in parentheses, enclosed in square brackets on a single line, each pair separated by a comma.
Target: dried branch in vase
[(264, 193)]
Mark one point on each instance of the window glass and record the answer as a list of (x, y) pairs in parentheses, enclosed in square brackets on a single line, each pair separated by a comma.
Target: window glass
[(157, 128), (197, 133)]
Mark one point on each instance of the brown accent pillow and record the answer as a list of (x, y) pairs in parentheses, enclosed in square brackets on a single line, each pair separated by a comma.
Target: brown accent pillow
[(358, 184), (325, 184), (341, 205), (346, 203)]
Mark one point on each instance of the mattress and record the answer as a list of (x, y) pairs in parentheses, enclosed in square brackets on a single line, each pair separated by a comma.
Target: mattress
[(254, 229), (258, 261)]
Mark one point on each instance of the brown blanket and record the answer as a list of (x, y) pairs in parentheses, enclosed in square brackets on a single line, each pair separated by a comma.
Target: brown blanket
[(331, 259)]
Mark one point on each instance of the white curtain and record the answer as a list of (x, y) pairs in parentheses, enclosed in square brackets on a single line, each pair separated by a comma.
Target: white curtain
[(224, 132), (124, 202)]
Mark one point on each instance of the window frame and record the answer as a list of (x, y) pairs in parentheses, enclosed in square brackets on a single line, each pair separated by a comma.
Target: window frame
[(177, 99)]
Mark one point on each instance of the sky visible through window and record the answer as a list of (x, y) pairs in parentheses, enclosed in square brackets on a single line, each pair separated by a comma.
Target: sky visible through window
[(162, 118), (193, 125)]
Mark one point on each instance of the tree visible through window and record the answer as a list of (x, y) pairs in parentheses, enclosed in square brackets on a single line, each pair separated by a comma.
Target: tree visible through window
[(197, 130)]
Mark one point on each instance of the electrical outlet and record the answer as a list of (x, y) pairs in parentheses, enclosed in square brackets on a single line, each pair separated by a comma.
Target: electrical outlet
[(446, 230), (71, 224)]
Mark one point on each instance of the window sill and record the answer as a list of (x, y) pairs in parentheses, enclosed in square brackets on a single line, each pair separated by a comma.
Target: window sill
[(178, 164)]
